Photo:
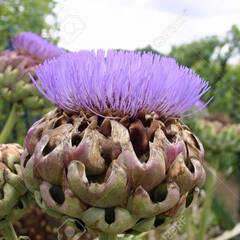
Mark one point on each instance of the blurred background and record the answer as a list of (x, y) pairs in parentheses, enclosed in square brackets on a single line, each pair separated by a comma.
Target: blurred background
[(203, 35)]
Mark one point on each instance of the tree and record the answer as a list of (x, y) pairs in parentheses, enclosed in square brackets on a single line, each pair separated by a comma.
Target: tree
[(211, 57)]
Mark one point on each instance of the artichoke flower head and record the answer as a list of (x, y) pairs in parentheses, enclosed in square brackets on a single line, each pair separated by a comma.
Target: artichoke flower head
[(30, 50), (114, 155)]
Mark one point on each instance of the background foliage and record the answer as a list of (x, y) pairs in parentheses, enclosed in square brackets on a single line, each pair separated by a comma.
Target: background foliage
[(26, 15), (216, 59)]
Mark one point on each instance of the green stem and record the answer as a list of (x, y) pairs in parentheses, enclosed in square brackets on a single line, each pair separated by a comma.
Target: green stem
[(210, 185), (8, 232), (107, 236), (6, 131), (189, 226)]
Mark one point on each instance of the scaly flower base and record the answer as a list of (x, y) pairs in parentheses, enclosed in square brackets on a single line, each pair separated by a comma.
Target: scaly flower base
[(113, 176)]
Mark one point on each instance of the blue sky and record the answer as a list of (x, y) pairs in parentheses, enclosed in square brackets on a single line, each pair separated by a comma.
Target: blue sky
[(129, 24)]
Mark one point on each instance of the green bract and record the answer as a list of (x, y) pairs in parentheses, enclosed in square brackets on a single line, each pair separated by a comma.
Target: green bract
[(14, 197), (15, 83)]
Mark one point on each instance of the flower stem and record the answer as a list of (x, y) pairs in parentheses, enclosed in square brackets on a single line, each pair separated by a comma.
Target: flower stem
[(206, 209), (107, 236), (8, 232), (6, 131)]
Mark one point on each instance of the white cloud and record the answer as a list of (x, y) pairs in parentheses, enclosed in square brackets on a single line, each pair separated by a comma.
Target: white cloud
[(203, 8), (129, 24)]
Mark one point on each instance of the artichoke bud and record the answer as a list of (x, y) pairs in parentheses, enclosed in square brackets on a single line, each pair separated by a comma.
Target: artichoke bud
[(14, 196), (7, 79), (224, 136), (33, 102), (6, 93), (114, 155), (23, 89)]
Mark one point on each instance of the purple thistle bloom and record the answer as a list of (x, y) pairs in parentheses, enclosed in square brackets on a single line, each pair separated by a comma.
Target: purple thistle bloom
[(117, 81), (32, 44)]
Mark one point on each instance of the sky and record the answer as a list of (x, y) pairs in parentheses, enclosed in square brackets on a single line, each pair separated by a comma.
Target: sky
[(131, 24)]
